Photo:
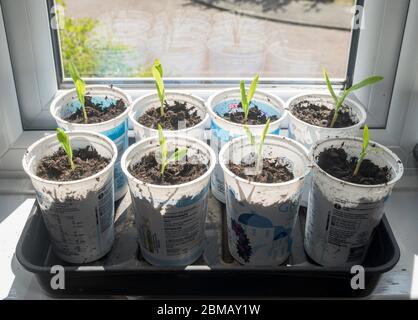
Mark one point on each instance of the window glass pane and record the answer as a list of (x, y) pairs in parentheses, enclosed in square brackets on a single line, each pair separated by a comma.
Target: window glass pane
[(207, 38)]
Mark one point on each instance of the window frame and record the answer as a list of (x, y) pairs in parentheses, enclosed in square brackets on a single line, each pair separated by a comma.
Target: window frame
[(34, 65)]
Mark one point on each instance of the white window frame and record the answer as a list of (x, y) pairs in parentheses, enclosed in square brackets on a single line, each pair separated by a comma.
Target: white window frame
[(35, 78)]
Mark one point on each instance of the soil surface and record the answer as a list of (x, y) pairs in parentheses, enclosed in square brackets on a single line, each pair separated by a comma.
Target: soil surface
[(96, 113), (321, 116), (336, 162), (255, 116), (173, 114), (274, 171), (148, 171), (56, 167)]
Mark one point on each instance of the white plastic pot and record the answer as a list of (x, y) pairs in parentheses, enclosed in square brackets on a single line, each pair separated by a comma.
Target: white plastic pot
[(79, 214), (223, 131), (170, 219), (116, 129), (261, 216), (142, 104), (308, 134), (342, 216)]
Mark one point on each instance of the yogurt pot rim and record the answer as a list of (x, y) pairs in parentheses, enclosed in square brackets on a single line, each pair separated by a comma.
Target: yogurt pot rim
[(80, 133), (259, 184), (209, 170), (181, 131), (127, 98), (393, 180), (320, 94), (214, 115)]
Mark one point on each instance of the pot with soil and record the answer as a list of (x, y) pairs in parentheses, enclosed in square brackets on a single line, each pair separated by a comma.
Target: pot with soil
[(170, 203), (262, 206), (228, 122), (184, 114), (107, 109), (344, 207), (77, 204), (310, 118)]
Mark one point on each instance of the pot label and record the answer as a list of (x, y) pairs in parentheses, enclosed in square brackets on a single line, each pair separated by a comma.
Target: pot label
[(172, 232), (81, 230), (338, 232), (119, 136), (257, 235)]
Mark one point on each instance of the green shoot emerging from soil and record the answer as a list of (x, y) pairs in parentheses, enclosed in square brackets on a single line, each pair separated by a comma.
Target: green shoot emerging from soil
[(80, 87), (176, 156), (65, 141), (246, 97), (259, 148), (363, 150), (340, 100), (157, 73)]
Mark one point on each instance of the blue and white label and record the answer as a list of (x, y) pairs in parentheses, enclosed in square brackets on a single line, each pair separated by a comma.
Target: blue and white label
[(257, 235)]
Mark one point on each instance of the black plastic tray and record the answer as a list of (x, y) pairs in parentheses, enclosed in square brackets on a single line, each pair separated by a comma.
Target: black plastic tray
[(124, 272)]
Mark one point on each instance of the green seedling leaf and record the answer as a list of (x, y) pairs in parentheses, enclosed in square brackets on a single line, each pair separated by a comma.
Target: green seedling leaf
[(346, 93), (247, 97), (157, 73), (329, 85), (259, 166), (253, 87), (65, 142), (80, 87), (178, 155), (163, 147), (364, 150), (249, 135), (244, 101)]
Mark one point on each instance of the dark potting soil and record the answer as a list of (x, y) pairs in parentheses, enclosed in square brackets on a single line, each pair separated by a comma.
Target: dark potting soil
[(87, 162), (336, 162), (319, 115), (96, 113), (255, 116), (148, 171), (274, 171), (174, 114)]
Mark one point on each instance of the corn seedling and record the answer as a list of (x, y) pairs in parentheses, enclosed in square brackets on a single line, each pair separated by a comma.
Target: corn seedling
[(80, 87), (246, 97), (65, 142), (176, 156), (258, 148), (339, 100), (157, 73), (363, 150)]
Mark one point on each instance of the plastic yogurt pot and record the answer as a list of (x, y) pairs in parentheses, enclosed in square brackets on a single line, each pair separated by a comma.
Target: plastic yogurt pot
[(142, 104), (116, 129), (223, 131), (341, 215), (78, 214), (261, 216), (308, 134), (170, 218)]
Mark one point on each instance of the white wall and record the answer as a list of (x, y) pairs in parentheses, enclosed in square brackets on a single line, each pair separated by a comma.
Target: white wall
[(11, 125)]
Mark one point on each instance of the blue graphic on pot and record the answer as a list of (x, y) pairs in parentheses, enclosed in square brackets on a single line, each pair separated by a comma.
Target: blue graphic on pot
[(260, 235), (220, 136)]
